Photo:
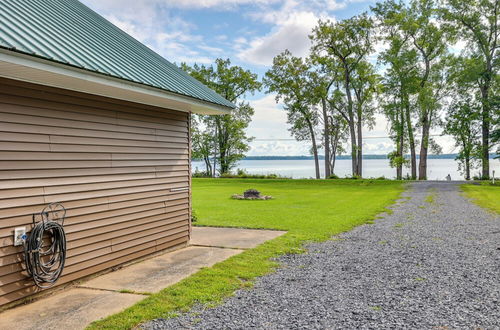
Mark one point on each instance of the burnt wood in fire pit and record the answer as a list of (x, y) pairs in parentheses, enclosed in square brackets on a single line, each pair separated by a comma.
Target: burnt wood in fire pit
[(251, 193)]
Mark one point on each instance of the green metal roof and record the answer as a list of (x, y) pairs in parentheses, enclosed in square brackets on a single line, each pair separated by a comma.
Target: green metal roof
[(68, 32)]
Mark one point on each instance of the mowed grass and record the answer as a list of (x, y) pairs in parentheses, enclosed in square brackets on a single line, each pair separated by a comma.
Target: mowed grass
[(487, 196), (309, 210)]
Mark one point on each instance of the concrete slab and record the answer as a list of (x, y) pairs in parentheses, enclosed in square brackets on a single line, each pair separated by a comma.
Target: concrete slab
[(159, 272), (73, 309), (100, 297), (232, 237)]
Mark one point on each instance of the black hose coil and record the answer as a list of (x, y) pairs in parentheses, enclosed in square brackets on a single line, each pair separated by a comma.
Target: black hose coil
[(45, 263)]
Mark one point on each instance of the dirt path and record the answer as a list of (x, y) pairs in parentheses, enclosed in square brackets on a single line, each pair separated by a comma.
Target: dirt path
[(433, 263)]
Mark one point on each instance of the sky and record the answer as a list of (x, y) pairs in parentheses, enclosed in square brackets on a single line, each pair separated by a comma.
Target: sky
[(250, 33)]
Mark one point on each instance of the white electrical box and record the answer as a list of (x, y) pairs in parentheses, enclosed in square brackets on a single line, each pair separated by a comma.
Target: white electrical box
[(19, 236)]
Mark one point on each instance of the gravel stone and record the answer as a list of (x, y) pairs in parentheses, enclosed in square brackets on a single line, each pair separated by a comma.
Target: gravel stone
[(426, 265)]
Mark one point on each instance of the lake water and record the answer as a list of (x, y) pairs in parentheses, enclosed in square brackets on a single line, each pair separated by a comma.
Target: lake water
[(437, 169)]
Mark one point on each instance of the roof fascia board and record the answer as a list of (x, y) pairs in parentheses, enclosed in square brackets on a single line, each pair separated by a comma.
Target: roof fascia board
[(28, 68)]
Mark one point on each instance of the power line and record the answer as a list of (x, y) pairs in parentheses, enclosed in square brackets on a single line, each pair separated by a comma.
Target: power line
[(365, 138)]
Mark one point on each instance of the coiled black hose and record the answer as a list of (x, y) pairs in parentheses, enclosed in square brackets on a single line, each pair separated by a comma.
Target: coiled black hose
[(45, 252)]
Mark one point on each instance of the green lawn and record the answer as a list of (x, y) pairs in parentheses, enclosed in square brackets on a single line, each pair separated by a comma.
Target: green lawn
[(487, 196), (309, 210)]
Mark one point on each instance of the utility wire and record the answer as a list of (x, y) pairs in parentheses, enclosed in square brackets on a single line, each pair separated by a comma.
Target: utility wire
[(364, 138)]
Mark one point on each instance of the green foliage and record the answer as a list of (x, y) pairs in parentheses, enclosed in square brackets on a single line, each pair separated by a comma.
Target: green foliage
[(241, 174), (400, 81), (294, 83), (353, 177), (463, 122), (342, 48), (299, 208), (495, 133), (477, 21), (194, 216), (202, 174), (223, 137), (396, 159)]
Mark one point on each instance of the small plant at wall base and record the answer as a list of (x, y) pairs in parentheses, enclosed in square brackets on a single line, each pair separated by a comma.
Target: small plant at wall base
[(194, 217)]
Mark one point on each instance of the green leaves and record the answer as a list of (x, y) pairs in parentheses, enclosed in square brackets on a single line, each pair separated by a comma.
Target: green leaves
[(223, 137)]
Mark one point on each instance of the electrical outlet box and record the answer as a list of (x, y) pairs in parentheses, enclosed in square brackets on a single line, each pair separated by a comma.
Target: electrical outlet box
[(19, 236)]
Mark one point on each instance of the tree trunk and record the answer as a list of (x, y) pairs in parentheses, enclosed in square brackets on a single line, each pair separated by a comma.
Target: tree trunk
[(216, 140), (326, 133), (354, 161), (424, 146), (333, 155), (315, 149), (208, 166), (359, 166), (485, 126), (422, 166), (352, 128), (315, 152), (401, 141), (334, 158), (467, 168), (399, 166), (411, 140)]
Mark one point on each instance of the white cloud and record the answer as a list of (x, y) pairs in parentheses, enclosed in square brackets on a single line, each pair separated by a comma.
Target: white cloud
[(269, 120), (150, 22), (270, 128), (291, 34), (292, 23), (217, 4)]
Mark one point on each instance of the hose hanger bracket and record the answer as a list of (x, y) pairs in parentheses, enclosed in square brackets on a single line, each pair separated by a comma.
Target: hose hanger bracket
[(45, 246)]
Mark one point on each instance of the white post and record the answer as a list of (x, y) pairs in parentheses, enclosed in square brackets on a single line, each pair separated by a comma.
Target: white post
[(493, 177)]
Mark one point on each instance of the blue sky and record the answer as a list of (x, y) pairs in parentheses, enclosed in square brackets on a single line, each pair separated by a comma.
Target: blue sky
[(250, 33)]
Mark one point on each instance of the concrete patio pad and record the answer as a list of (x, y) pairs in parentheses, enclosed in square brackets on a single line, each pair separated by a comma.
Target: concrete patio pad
[(157, 273), (236, 238), (99, 297), (73, 309)]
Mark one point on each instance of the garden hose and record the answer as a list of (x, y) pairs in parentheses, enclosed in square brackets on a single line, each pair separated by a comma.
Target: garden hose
[(45, 247)]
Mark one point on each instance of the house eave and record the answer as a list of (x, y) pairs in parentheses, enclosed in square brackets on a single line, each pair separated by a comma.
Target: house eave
[(32, 69)]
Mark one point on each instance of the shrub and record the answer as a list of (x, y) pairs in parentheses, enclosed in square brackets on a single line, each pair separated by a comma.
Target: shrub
[(241, 174), (198, 174)]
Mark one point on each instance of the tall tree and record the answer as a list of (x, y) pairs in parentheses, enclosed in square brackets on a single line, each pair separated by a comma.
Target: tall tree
[(478, 22), (202, 143), (365, 84), (347, 42), (399, 81), (228, 131), (325, 74), (428, 38), (322, 85), (463, 123), (337, 137), (495, 133), (291, 79)]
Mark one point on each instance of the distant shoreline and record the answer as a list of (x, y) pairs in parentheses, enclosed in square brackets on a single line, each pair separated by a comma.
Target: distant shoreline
[(442, 156)]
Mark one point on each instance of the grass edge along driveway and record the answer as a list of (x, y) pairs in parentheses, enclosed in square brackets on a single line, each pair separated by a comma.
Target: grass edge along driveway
[(485, 195), (310, 210)]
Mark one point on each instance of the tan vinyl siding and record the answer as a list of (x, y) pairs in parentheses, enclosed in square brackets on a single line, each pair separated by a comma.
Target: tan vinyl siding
[(112, 164)]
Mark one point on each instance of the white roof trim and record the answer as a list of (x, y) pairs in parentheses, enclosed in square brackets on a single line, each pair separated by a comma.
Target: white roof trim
[(35, 70)]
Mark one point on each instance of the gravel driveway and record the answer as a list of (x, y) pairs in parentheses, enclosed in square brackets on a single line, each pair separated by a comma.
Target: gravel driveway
[(433, 263)]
